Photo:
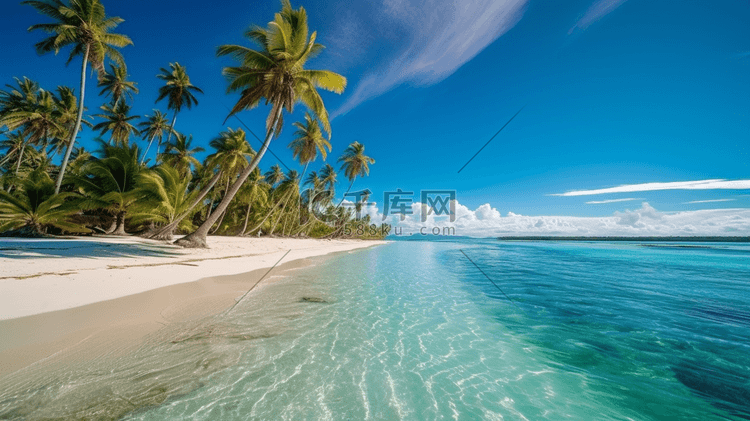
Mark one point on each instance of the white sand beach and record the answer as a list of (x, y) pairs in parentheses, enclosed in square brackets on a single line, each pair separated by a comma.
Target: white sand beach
[(40, 276)]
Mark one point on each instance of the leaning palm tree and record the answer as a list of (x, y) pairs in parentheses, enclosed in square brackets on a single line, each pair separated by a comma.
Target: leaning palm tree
[(154, 128), (179, 155), (178, 90), (254, 192), (232, 153), (35, 207), (117, 122), (277, 75), (115, 84), (83, 25), (308, 141), (355, 163), (166, 197)]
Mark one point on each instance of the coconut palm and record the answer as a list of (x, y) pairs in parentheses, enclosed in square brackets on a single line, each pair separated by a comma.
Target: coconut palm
[(308, 142), (254, 192), (179, 154), (154, 128), (115, 85), (84, 26), (355, 163), (67, 114), (166, 197), (35, 207), (17, 98), (111, 182), (275, 175), (288, 187), (179, 92), (277, 75), (15, 145), (232, 153), (117, 122)]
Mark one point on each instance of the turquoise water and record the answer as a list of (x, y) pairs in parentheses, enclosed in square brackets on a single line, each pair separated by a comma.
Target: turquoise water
[(414, 331)]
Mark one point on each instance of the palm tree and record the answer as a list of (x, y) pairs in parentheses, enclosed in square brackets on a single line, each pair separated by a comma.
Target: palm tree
[(179, 154), (83, 25), (167, 197), (253, 192), (277, 75), (35, 207), (117, 122), (179, 92), (154, 128), (232, 153), (15, 145), (111, 182), (355, 163), (114, 84), (67, 114), (308, 142), (275, 175), (17, 99)]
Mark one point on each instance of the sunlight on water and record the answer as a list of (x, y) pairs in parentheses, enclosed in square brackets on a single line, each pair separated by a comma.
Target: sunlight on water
[(414, 331)]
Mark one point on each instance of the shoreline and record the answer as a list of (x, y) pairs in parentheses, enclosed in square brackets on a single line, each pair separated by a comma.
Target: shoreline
[(63, 274), (121, 325)]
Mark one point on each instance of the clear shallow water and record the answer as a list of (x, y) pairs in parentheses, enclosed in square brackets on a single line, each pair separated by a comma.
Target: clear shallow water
[(414, 331)]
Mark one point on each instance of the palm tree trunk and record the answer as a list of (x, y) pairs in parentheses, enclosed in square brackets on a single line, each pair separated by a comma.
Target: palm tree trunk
[(198, 238), (73, 137), (165, 233), (281, 214), (247, 219), (341, 227), (169, 136), (270, 212), (20, 158), (145, 154), (218, 224), (120, 230)]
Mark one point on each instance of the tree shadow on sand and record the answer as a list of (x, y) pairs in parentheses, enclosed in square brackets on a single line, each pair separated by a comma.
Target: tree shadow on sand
[(35, 249)]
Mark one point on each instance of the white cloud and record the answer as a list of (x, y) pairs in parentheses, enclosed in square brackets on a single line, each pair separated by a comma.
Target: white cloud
[(708, 201), (486, 221), (440, 37), (716, 184), (597, 11), (600, 202)]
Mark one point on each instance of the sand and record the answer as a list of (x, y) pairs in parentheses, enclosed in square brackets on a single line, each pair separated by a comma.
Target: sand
[(40, 276), (78, 299)]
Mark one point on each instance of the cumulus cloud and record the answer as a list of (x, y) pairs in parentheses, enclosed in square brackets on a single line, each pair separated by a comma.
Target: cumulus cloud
[(597, 11), (716, 184), (600, 202), (439, 37), (486, 221)]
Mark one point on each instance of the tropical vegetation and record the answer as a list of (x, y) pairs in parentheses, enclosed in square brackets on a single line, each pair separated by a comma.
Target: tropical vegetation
[(141, 176)]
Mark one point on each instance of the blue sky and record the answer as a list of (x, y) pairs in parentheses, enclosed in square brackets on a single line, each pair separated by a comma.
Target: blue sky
[(616, 92)]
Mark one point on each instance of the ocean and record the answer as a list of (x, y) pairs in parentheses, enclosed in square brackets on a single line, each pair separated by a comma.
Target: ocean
[(440, 330)]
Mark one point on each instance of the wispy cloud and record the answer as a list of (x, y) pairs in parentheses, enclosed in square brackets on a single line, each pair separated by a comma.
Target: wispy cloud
[(709, 201), (440, 36), (716, 184), (597, 11), (601, 202)]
